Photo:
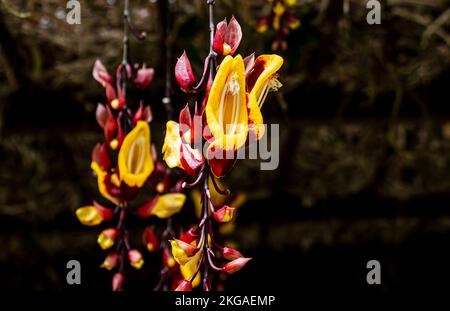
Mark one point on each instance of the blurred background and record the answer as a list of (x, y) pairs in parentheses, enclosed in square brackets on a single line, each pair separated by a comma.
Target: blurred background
[(364, 150)]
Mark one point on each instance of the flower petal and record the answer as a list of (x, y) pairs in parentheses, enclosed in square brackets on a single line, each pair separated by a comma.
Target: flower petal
[(135, 159), (168, 205)]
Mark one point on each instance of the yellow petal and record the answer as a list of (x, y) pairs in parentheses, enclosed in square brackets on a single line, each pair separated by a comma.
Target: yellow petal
[(101, 175), (172, 145), (135, 159), (138, 264), (262, 78), (189, 269), (105, 242), (168, 205), (226, 111), (255, 118), (89, 216), (179, 254)]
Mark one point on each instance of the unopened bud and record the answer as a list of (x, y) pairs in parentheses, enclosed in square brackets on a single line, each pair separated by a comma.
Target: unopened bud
[(184, 286), (235, 265), (110, 261), (117, 282), (231, 254), (225, 214), (135, 258), (107, 237)]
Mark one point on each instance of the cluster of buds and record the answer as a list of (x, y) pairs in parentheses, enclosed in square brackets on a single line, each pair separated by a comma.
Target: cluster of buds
[(124, 164), (228, 120), (282, 20)]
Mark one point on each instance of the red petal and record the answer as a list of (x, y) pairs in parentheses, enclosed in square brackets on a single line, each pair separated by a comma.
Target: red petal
[(106, 213), (149, 238), (104, 161), (190, 163), (185, 121), (145, 209), (100, 74), (144, 77), (190, 236), (218, 43), (101, 114), (110, 93), (184, 286), (183, 73), (234, 35), (249, 61), (220, 166)]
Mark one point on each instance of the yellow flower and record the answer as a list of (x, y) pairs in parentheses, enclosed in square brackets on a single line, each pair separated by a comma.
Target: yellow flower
[(135, 160), (263, 77), (226, 110), (168, 205)]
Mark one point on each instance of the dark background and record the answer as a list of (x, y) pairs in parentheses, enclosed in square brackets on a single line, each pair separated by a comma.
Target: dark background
[(364, 148)]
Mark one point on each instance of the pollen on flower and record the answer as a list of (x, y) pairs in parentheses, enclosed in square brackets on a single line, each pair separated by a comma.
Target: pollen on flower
[(233, 85), (226, 49), (274, 84), (114, 144), (115, 103)]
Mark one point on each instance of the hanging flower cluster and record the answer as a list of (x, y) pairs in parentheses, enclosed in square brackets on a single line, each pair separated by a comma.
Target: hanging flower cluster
[(124, 164), (282, 20), (228, 120)]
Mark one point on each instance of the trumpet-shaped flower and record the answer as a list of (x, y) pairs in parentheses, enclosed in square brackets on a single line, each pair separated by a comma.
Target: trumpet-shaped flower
[(135, 159)]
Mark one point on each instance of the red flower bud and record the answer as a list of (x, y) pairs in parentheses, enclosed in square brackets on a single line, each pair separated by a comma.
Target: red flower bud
[(101, 74), (190, 236), (184, 286), (227, 37), (231, 254), (143, 114), (150, 239), (184, 74), (189, 249), (235, 265), (144, 77), (101, 114), (135, 258), (225, 214), (107, 238), (117, 282), (110, 261)]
